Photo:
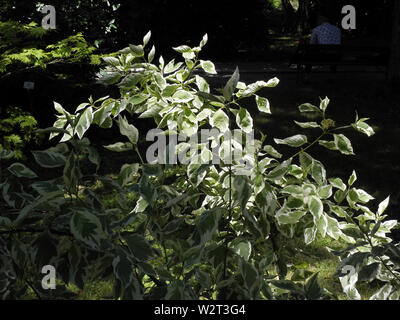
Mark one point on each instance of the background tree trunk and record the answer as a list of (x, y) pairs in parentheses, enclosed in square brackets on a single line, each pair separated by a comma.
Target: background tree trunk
[(289, 22), (394, 63), (303, 16)]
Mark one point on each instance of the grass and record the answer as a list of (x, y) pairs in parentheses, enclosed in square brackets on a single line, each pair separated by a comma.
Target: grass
[(315, 256), (318, 259), (94, 290)]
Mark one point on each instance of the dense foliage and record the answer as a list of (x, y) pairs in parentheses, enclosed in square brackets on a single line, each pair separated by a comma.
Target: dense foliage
[(17, 129), (95, 19), (23, 46), (189, 230)]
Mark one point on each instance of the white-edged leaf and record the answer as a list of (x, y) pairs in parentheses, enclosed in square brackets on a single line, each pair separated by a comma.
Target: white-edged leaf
[(85, 120), (220, 121), (21, 171), (86, 227), (263, 104), (337, 183), (307, 125), (382, 206), (294, 141), (244, 120), (208, 66), (128, 130), (343, 144), (119, 146), (49, 159)]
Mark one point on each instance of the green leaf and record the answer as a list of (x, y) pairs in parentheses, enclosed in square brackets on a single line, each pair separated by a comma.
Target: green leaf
[(182, 96), (363, 127), (6, 154), (214, 100), (294, 141), (111, 61), (204, 41), (127, 173), (172, 226), (123, 267), (60, 109), (231, 85), (45, 187), (324, 104), (363, 196), (21, 171), (130, 81), (137, 51), (321, 223), (109, 78), (176, 290), (352, 178), (244, 120), (220, 121), (289, 217), (352, 231), (309, 235), (325, 191), (182, 49), (242, 188), (138, 98), (202, 84), (308, 107), (328, 144), (71, 173), (84, 122), (312, 288), (343, 144), (119, 146), (353, 260), (139, 247), (128, 130), (272, 151), (49, 159), (305, 161), (250, 277), (208, 66), (146, 38), (316, 207), (19, 253), (307, 125), (333, 228), (26, 210), (318, 172), (369, 272), (383, 293), (206, 227), (86, 227), (243, 249), (337, 183), (286, 285), (172, 67), (152, 169), (278, 172), (263, 104), (147, 190), (256, 86), (382, 206)]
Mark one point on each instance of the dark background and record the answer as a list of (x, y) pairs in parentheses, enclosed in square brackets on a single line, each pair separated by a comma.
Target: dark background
[(256, 35)]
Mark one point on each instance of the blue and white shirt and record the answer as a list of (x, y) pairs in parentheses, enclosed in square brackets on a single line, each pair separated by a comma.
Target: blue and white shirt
[(326, 33)]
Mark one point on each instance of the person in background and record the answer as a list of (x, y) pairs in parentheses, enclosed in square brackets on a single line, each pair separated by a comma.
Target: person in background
[(326, 33)]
